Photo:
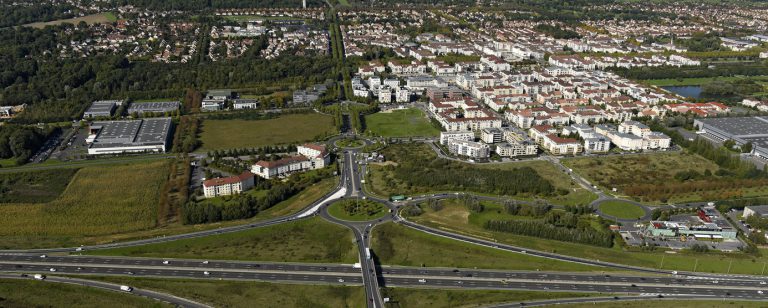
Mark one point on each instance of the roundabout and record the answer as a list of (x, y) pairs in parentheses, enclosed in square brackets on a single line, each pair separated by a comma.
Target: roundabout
[(357, 210), (349, 143)]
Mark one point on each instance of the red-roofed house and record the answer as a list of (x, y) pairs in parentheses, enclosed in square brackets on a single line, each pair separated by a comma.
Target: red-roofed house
[(228, 186), (312, 156)]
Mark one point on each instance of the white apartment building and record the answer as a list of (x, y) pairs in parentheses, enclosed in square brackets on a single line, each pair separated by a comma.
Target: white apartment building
[(514, 149), (491, 135), (228, 186), (445, 137), (311, 156), (469, 148), (597, 145)]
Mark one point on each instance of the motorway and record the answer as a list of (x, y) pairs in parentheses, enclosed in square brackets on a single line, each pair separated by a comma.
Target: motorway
[(163, 297), (391, 276)]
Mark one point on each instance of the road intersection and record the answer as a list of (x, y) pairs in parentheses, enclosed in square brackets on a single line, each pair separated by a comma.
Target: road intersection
[(372, 275)]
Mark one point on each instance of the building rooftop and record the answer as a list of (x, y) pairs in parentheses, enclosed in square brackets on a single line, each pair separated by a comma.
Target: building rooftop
[(741, 126), (131, 132)]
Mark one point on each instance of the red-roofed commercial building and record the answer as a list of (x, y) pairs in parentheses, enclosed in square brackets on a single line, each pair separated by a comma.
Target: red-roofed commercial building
[(228, 186), (312, 156)]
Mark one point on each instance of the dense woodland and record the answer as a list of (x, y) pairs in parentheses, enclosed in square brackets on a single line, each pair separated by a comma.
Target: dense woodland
[(59, 89), (21, 142)]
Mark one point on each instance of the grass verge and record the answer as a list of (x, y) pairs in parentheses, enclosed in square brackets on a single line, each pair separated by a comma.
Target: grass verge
[(29, 293), (398, 245), (309, 240), (250, 294), (408, 297)]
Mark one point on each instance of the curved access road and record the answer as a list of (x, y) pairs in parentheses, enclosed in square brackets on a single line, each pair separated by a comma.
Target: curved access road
[(163, 297)]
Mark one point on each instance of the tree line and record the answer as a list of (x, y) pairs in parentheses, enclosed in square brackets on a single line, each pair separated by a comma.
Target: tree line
[(21, 142), (543, 229)]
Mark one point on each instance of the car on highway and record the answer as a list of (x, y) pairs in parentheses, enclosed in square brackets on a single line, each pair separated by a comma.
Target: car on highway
[(422, 280), (760, 292), (341, 280), (165, 262), (130, 273), (43, 256), (762, 282), (39, 277), (205, 262), (206, 273), (52, 269), (126, 289)]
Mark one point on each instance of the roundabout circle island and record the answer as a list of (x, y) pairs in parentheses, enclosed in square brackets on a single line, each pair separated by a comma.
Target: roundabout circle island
[(357, 210)]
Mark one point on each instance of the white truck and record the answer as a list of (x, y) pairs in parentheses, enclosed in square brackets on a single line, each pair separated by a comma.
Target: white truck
[(367, 253), (126, 289), (39, 276)]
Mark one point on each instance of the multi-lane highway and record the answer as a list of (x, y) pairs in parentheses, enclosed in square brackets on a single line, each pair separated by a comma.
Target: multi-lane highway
[(340, 274)]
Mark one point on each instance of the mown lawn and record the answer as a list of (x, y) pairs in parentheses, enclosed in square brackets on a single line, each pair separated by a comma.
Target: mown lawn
[(362, 210), (30, 293), (251, 294), (285, 129), (458, 219), (308, 240), (621, 210), (409, 297), (99, 201), (398, 245), (400, 123)]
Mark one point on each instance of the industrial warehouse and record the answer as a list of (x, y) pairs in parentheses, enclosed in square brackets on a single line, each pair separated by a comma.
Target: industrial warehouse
[(741, 130), (131, 136)]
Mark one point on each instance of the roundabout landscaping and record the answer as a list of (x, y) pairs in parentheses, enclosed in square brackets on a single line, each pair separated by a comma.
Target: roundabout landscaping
[(621, 209), (357, 210), (349, 143)]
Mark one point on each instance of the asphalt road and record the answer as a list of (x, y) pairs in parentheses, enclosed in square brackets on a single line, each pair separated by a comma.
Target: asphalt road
[(163, 297)]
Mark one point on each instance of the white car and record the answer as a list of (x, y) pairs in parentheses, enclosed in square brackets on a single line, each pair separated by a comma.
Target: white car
[(762, 282), (79, 249), (206, 273), (759, 291), (341, 280), (52, 269), (43, 256), (422, 280), (126, 288), (205, 262), (165, 262)]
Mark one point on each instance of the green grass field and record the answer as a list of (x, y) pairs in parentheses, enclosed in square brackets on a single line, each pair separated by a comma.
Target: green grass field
[(34, 187), (287, 129), (621, 210), (400, 123), (99, 201), (398, 245), (408, 297), (360, 210), (308, 240), (251, 294), (90, 19), (459, 220), (8, 162), (29, 293)]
